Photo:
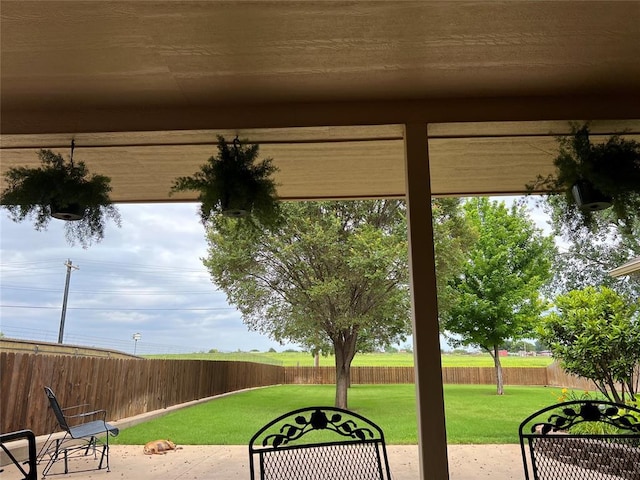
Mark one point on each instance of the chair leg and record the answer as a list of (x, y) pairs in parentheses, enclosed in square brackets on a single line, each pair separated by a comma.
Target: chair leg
[(53, 457), (91, 445), (105, 450)]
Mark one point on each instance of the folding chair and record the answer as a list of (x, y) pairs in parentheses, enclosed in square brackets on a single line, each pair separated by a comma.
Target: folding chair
[(6, 439), (319, 443), (83, 432)]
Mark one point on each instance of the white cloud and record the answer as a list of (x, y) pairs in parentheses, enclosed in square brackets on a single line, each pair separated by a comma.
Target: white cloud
[(145, 277)]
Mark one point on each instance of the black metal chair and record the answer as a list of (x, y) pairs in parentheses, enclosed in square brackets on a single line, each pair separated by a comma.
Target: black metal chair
[(83, 431), (31, 462), (319, 443), (582, 440)]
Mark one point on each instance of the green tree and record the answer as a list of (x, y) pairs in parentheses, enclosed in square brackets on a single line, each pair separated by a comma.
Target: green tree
[(453, 236), (333, 276), (588, 254), (541, 346), (497, 295), (516, 346), (595, 332)]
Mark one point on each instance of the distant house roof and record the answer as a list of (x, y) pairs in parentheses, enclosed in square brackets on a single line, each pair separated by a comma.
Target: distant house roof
[(629, 267)]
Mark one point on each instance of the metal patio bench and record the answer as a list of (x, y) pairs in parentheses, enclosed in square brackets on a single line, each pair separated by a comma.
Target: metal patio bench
[(84, 429), (319, 443), (6, 439), (582, 440)]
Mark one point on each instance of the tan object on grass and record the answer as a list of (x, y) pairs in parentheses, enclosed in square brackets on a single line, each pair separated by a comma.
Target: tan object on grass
[(159, 447)]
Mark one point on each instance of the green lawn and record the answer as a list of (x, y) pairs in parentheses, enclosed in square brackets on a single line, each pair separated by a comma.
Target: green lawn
[(292, 359), (474, 413)]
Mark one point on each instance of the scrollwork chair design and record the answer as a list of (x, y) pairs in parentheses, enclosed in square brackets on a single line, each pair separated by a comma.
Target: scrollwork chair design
[(316, 443), (582, 440)]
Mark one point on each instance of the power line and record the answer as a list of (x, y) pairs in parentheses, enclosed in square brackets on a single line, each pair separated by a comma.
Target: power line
[(23, 264), (87, 340), (111, 309), (129, 264), (115, 292), (51, 264), (18, 269)]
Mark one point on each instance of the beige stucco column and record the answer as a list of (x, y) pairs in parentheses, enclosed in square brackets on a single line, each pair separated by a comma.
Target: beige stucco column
[(431, 423)]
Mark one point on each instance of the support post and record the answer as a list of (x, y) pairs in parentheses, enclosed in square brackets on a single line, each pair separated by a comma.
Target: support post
[(432, 437)]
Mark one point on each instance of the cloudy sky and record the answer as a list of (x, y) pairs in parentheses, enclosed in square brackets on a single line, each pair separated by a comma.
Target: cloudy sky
[(146, 277)]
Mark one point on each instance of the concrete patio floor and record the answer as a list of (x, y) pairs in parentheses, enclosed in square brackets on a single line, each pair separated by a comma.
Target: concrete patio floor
[(466, 462)]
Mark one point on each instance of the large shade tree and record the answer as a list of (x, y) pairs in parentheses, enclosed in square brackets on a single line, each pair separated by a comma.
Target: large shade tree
[(332, 276), (497, 294)]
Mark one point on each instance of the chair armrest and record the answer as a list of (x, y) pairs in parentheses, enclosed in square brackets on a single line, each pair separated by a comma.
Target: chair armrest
[(88, 414), (76, 406)]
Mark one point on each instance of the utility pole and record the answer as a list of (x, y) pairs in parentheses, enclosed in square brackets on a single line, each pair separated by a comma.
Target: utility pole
[(69, 266), (136, 337)]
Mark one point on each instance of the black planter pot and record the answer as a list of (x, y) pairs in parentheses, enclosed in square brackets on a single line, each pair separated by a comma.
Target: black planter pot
[(235, 207), (235, 212), (69, 213), (588, 198)]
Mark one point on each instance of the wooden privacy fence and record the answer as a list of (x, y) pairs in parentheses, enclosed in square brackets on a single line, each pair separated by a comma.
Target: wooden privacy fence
[(129, 387), (123, 387), (556, 376), (459, 375)]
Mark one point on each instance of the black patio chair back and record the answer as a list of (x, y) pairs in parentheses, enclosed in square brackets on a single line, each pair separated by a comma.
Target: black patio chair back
[(319, 443), (84, 429), (582, 440), (57, 409), (7, 441)]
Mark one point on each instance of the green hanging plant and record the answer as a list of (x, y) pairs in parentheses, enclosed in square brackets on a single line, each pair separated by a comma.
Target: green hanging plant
[(62, 190), (233, 184), (594, 177)]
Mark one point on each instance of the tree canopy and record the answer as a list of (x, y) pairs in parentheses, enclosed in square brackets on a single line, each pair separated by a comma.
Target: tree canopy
[(330, 276), (589, 253), (453, 237), (497, 294), (595, 332)]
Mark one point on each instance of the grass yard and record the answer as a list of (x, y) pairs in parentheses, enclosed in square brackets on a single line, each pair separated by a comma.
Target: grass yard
[(475, 414), (302, 359)]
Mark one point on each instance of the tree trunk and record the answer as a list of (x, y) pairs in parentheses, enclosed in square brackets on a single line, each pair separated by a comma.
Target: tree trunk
[(613, 390), (341, 387), (498, 365), (344, 349)]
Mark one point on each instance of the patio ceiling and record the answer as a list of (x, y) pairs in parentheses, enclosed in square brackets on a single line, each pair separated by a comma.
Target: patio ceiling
[(324, 87)]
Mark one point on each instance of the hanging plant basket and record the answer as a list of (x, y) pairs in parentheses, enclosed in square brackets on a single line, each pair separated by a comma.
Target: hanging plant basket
[(61, 190), (595, 176), (234, 184)]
